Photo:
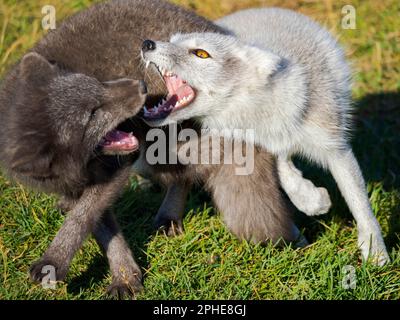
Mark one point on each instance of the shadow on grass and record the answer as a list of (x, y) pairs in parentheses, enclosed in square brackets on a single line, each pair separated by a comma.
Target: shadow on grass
[(380, 138), (135, 212), (95, 273), (376, 144)]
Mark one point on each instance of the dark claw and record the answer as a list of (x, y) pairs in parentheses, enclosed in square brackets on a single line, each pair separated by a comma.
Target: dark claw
[(124, 290), (36, 271), (170, 227)]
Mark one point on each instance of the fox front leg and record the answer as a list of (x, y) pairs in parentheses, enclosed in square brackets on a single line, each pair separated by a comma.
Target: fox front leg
[(303, 193), (78, 224), (170, 215)]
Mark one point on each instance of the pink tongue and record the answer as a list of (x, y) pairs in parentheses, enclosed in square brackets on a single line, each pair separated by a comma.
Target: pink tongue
[(119, 140), (176, 86), (184, 91), (173, 83)]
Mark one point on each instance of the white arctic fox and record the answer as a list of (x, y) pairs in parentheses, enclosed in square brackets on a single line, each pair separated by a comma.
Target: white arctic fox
[(284, 76)]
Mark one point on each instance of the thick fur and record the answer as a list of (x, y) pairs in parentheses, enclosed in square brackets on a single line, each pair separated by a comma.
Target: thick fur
[(282, 75), (46, 99)]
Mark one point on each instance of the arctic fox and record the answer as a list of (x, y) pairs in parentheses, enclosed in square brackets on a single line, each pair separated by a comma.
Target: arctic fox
[(284, 76)]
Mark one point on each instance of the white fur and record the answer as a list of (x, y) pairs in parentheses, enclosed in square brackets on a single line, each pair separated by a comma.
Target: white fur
[(302, 192), (284, 76)]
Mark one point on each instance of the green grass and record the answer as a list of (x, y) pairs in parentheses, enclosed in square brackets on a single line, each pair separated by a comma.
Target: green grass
[(207, 262)]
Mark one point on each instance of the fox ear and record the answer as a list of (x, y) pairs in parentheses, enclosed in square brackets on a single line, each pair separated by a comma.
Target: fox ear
[(37, 166), (36, 68), (265, 62)]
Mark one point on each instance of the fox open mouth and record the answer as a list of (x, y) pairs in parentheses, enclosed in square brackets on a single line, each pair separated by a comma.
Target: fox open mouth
[(119, 142), (180, 94)]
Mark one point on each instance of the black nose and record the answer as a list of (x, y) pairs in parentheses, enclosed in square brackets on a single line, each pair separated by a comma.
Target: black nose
[(148, 45)]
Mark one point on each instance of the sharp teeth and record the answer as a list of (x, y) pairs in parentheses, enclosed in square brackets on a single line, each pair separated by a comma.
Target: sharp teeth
[(145, 109), (147, 64), (164, 101)]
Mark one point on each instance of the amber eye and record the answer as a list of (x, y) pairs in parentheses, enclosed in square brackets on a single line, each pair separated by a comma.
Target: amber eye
[(201, 53)]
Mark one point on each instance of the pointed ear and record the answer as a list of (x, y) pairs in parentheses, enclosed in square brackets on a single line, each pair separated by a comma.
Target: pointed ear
[(36, 68), (264, 61), (34, 165)]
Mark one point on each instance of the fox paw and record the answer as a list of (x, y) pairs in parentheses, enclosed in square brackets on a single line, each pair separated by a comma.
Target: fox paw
[(47, 267), (320, 202), (313, 202), (373, 248), (170, 227), (119, 289)]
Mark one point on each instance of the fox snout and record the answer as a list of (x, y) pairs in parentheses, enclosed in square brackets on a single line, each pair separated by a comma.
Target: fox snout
[(148, 45)]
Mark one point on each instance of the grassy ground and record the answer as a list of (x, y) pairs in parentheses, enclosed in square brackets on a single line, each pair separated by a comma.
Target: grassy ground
[(207, 262)]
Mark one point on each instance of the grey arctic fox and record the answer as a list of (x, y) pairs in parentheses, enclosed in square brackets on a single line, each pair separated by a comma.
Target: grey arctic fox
[(284, 76)]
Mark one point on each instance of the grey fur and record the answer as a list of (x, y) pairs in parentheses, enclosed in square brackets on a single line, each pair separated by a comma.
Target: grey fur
[(122, 265), (84, 218), (170, 214)]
